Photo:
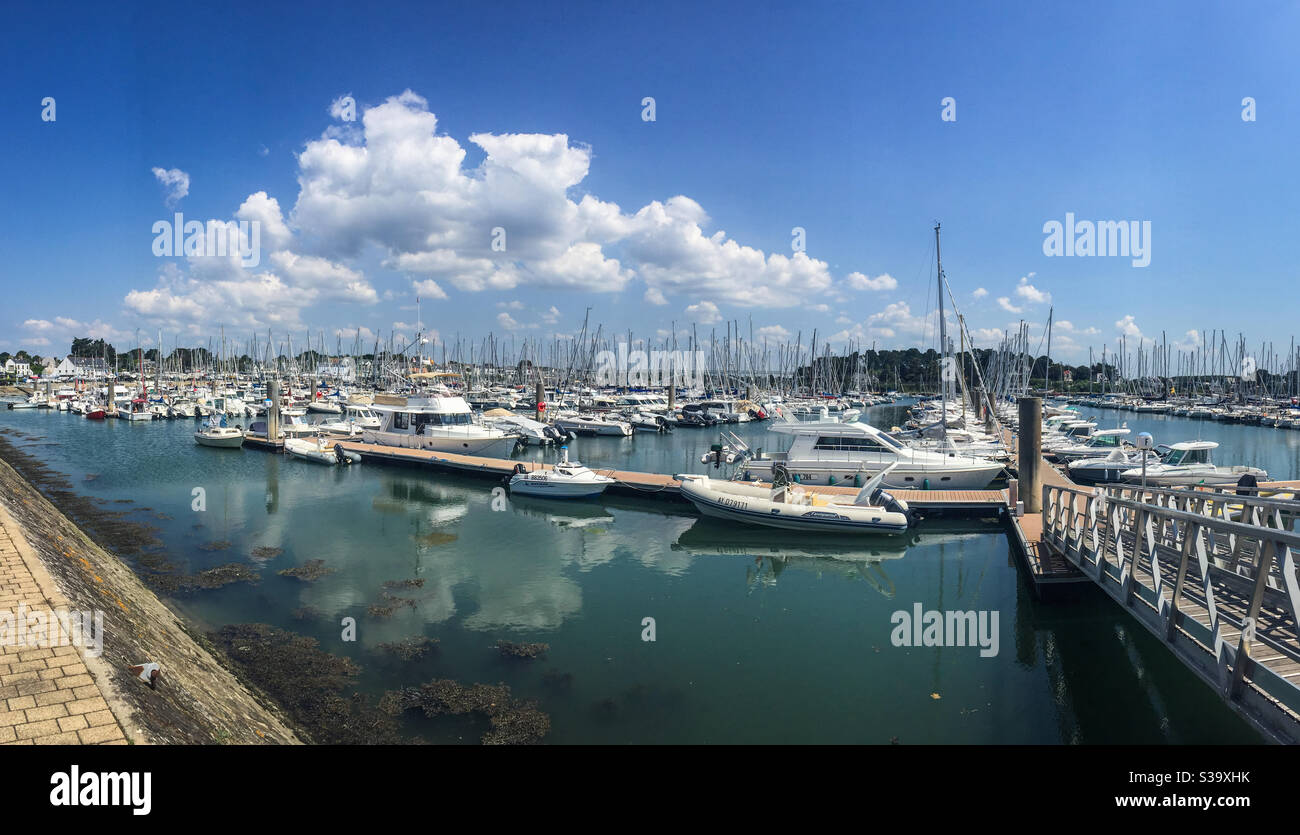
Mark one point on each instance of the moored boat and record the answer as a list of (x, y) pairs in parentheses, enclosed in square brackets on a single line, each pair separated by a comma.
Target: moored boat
[(318, 450), (566, 480), (218, 434), (791, 507)]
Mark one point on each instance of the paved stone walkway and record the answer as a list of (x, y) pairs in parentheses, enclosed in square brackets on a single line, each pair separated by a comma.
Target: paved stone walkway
[(47, 695)]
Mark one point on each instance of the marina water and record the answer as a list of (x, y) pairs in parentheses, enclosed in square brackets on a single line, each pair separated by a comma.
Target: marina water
[(760, 636)]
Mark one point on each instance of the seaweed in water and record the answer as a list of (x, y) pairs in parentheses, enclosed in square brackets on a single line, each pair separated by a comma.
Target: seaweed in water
[(514, 722), (389, 604), (266, 552), (411, 649), (222, 575), (308, 572), (509, 649), (216, 545), (417, 583), (308, 683), (307, 613)]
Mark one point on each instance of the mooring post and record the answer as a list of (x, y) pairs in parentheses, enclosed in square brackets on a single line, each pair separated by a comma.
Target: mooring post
[(273, 411), (672, 397), (1030, 445), (539, 401), (112, 396)]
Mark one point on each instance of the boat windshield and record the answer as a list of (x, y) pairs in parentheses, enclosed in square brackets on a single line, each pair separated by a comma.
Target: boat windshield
[(1188, 456), (1106, 441), (846, 444)]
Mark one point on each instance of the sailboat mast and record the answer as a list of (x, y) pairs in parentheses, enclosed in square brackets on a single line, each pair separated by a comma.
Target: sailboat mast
[(943, 337)]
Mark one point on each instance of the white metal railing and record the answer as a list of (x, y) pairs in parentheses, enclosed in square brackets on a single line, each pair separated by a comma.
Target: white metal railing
[(1194, 565)]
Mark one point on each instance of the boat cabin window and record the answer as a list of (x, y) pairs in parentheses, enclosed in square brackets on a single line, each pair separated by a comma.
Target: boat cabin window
[(401, 420), (429, 419), (1106, 440), (832, 442), (1188, 456)]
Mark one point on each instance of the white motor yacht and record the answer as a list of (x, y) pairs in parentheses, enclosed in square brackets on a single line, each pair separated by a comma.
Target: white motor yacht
[(439, 421), (831, 452)]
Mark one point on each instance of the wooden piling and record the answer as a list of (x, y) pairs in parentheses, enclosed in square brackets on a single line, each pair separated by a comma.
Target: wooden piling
[(273, 411), (1030, 443)]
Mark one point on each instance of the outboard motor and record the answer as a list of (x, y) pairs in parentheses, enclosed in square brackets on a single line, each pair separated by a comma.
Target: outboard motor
[(894, 505)]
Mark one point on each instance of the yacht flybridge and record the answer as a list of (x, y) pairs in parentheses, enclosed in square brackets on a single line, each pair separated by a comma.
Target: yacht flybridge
[(439, 421), (830, 452)]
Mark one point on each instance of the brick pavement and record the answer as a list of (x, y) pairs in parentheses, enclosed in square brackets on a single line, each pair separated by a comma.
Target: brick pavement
[(47, 695)]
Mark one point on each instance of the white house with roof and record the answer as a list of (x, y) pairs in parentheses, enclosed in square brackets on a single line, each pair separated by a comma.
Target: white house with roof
[(83, 367), (17, 368)]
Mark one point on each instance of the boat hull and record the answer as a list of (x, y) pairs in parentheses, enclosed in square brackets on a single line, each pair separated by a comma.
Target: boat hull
[(1191, 479), (976, 477), (524, 486), (309, 451), (219, 442), (826, 517), (485, 447)]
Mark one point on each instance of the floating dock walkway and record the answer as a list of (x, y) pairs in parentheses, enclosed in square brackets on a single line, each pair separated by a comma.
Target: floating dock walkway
[(970, 503)]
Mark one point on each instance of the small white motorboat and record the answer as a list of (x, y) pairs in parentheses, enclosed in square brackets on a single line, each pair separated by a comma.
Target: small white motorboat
[(567, 480), (788, 506), (1189, 464), (318, 450), (218, 434)]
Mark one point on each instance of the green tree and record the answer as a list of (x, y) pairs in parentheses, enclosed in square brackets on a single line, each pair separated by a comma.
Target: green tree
[(88, 348)]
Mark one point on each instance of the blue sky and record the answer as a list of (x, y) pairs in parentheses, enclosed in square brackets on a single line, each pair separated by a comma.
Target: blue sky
[(825, 116)]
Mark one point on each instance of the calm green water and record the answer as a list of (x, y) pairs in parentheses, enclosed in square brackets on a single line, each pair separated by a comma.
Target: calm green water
[(760, 636)]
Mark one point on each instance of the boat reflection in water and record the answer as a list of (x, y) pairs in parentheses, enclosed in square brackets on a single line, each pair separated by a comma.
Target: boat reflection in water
[(562, 514), (773, 551)]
